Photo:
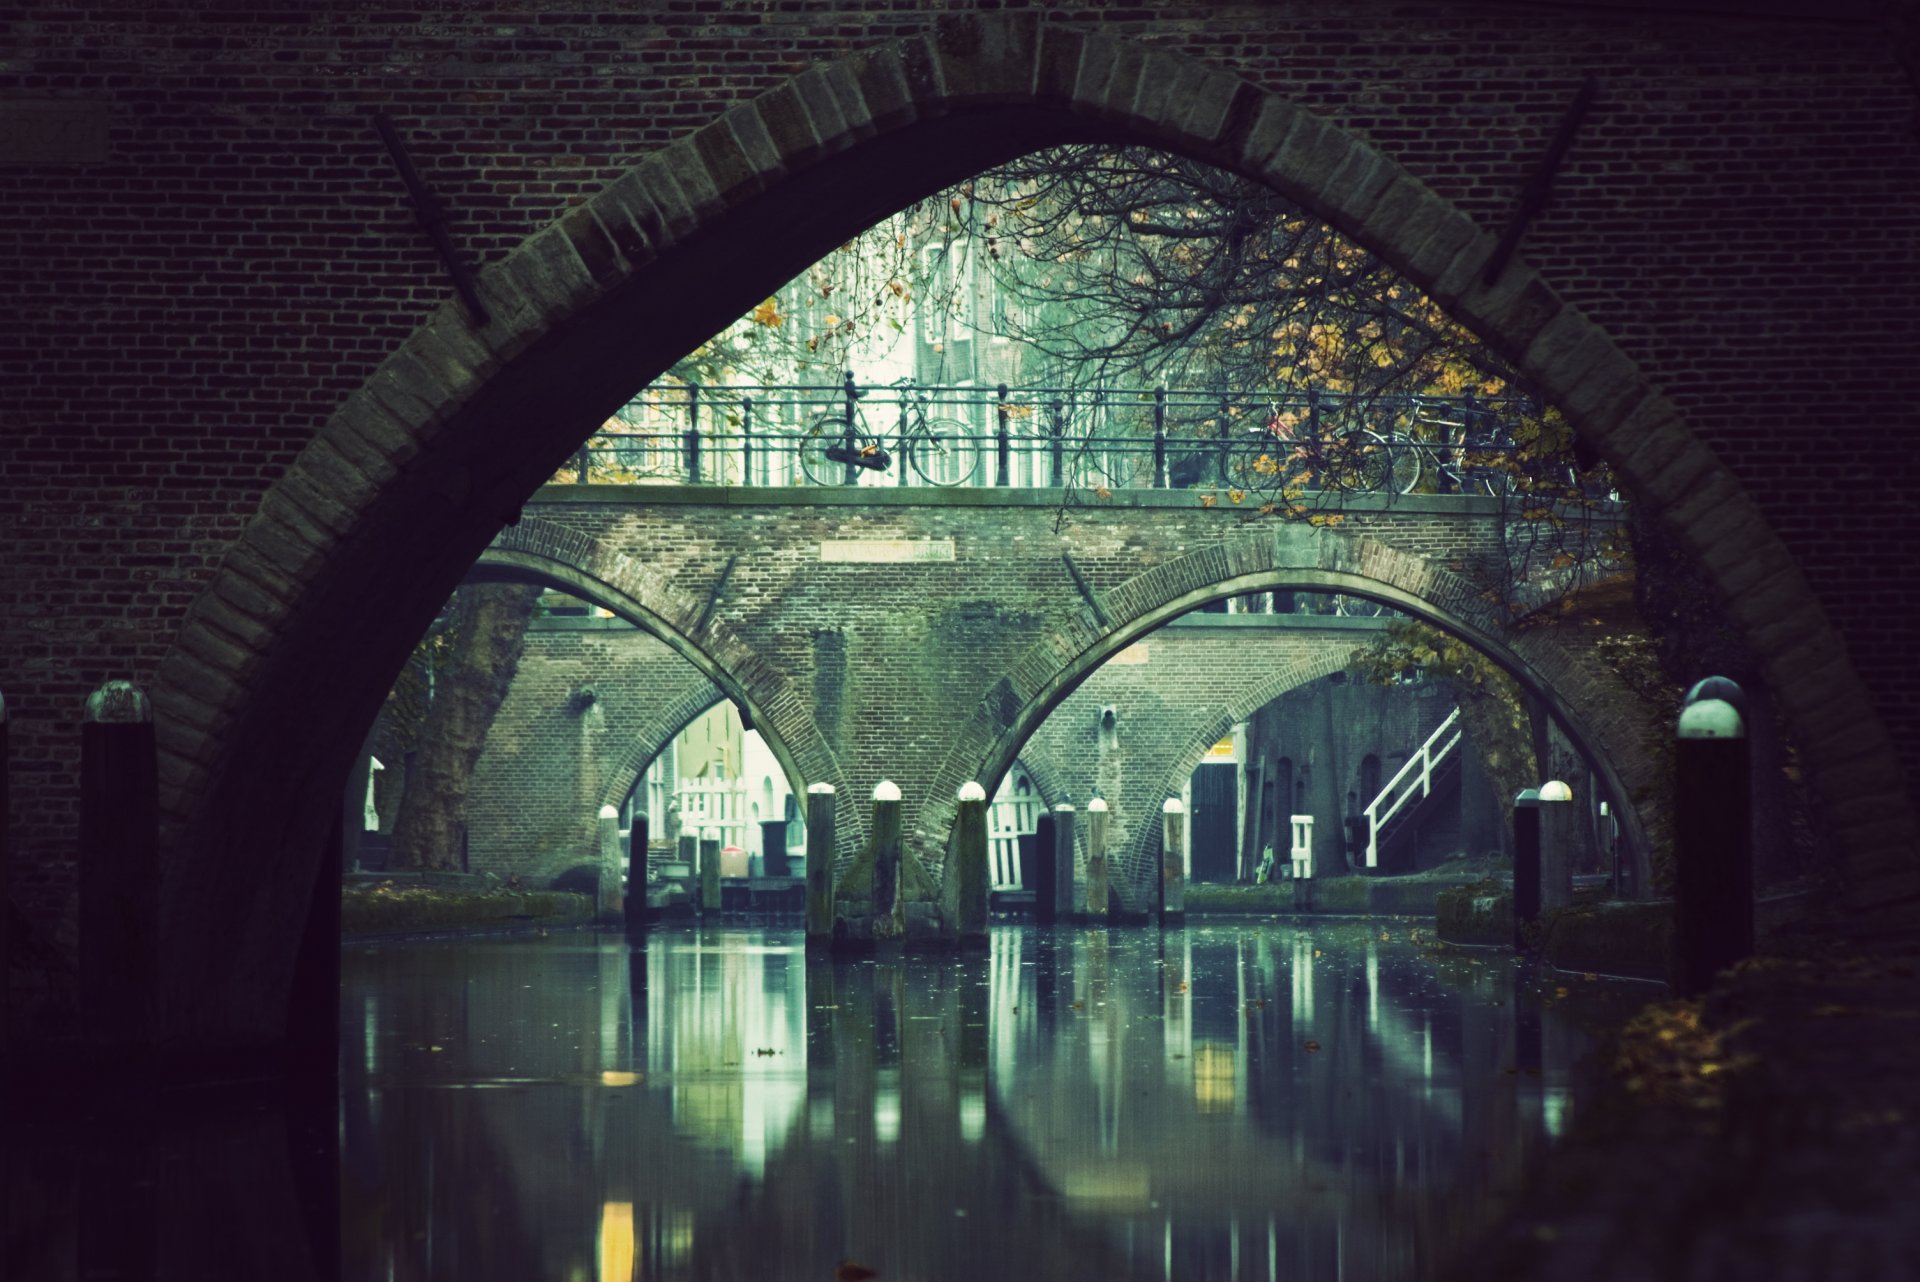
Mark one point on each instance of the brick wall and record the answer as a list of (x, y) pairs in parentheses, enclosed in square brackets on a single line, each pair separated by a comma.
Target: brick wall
[(188, 303), (552, 759)]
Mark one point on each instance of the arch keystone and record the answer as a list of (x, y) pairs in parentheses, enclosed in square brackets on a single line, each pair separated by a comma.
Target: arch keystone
[(987, 58)]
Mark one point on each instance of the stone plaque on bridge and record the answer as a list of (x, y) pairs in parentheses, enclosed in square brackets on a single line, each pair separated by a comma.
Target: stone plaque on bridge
[(886, 551)]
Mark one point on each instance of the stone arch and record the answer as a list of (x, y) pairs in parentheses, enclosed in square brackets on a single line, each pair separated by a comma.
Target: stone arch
[(1141, 857), (1583, 697), (547, 552), (442, 444), (624, 772)]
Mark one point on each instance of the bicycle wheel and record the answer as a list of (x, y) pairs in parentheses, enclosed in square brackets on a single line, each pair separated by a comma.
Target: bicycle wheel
[(944, 451), (1357, 607), (1375, 464), (811, 443)]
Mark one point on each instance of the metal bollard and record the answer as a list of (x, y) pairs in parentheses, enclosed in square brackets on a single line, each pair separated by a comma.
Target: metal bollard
[(970, 866), (1556, 845), (634, 907), (1097, 823), (1063, 859), (710, 870), (819, 863), (1173, 860), (609, 898), (889, 917), (1712, 836), (119, 864), (1526, 865), (6, 864), (1302, 860), (1038, 871)]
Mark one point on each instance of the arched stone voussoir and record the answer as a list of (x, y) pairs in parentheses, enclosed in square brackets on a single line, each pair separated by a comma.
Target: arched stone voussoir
[(697, 203), (578, 564)]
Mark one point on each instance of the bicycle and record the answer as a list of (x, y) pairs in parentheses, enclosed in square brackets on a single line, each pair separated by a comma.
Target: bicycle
[(1468, 456), (836, 447)]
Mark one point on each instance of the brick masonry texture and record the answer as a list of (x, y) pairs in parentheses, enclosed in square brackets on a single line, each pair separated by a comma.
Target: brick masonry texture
[(1720, 290), (934, 673)]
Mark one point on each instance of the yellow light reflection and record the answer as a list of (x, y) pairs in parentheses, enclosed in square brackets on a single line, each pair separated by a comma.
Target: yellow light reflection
[(616, 1242), (614, 1077), (1213, 1085)]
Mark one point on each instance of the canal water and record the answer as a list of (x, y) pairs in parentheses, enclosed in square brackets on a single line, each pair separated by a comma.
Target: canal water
[(1324, 1101)]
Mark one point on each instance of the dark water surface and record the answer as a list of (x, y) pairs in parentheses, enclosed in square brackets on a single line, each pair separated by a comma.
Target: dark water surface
[(1233, 1102)]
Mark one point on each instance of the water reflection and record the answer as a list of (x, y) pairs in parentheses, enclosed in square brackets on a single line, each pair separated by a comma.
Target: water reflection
[(1218, 1102)]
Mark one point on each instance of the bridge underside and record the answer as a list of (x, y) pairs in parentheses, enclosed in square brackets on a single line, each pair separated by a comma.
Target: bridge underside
[(925, 638)]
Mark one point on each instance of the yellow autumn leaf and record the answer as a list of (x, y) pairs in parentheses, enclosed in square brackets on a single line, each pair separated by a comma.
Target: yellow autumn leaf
[(768, 314)]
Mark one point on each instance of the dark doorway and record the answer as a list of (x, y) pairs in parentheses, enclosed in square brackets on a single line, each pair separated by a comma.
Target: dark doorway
[(1214, 820)]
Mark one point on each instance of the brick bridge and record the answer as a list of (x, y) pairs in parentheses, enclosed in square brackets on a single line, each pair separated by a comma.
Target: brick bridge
[(238, 433), (924, 635), (550, 764)]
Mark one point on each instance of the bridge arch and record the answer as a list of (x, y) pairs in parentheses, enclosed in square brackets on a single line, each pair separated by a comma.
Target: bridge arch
[(1583, 698), (543, 552), (1183, 725), (443, 443)]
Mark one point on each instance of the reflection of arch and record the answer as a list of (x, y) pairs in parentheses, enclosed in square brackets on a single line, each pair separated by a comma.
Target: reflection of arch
[(443, 443)]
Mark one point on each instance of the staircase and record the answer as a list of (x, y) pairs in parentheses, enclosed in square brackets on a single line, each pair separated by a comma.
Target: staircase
[(1436, 763)]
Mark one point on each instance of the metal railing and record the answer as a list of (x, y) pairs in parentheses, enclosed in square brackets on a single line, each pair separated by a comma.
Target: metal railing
[(1415, 779), (1042, 437)]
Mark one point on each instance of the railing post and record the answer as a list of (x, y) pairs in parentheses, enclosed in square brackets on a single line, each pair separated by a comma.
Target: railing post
[(746, 440), (1004, 473), (820, 839), (1059, 444), (851, 394), (1159, 438), (1446, 482), (900, 441), (693, 433), (1226, 443)]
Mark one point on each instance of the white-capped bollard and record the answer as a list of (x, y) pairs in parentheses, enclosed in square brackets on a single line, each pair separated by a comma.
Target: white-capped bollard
[(119, 870), (970, 866), (1173, 860), (819, 863), (1526, 865), (1301, 855), (889, 915), (610, 898), (1556, 845), (1712, 836), (710, 870), (1098, 818)]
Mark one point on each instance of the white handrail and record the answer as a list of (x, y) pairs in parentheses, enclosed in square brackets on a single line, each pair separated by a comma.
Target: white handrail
[(1426, 759)]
